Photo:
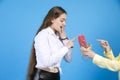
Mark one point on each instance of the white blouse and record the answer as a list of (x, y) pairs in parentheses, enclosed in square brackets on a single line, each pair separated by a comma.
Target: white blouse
[(50, 50)]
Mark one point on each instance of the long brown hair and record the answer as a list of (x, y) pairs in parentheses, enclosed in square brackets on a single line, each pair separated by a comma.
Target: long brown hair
[(54, 13)]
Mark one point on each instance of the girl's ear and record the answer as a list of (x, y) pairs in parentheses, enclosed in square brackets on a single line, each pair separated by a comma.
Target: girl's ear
[(52, 20)]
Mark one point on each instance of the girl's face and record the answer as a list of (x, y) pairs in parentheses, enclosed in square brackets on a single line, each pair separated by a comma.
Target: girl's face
[(59, 23)]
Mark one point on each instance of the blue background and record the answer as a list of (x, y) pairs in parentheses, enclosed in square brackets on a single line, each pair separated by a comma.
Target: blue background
[(20, 19)]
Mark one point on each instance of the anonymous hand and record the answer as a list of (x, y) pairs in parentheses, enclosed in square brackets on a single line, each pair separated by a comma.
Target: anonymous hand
[(104, 44), (87, 52)]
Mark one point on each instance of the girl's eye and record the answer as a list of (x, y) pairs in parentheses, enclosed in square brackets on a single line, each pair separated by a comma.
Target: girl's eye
[(61, 20)]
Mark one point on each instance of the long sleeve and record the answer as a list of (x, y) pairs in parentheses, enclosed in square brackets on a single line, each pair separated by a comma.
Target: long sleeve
[(109, 55), (113, 65), (68, 56)]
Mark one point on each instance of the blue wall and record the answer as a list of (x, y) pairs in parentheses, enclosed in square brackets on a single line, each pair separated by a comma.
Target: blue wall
[(20, 19)]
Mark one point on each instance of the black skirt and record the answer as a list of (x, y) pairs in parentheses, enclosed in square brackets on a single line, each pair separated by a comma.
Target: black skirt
[(44, 75)]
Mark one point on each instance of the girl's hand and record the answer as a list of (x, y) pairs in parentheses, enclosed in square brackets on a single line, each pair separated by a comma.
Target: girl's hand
[(62, 33), (69, 44)]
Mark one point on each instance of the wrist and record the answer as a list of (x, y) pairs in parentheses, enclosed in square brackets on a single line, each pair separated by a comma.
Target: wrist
[(64, 38), (91, 55), (107, 49)]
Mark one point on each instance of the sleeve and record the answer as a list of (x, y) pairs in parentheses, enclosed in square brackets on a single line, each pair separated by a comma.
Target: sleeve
[(118, 57), (102, 62), (68, 56), (109, 55)]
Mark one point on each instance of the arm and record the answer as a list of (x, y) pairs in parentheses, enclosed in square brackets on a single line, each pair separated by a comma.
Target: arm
[(68, 56), (113, 65), (68, 43), (102, 62)]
